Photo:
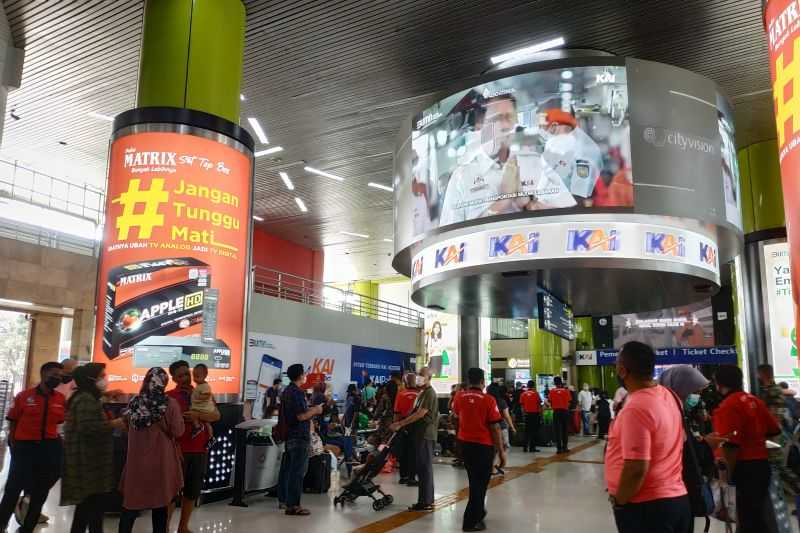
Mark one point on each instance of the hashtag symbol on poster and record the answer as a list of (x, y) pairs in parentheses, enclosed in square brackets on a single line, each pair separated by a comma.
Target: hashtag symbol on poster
[(787, 108), (149, 217)]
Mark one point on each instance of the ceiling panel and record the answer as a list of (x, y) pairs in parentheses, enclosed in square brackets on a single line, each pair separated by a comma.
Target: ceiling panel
[(331, 82)]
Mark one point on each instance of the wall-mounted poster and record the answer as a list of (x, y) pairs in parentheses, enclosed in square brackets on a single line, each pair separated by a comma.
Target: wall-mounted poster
[(779, 313), (442, 350)]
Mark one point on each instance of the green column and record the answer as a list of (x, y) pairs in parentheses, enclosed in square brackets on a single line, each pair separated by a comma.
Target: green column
[(584, 340), (545, 349), (762, 195), (369, 305), (192, 54)]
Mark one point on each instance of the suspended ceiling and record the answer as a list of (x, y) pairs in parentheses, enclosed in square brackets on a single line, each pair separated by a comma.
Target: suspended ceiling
[(331, 81)]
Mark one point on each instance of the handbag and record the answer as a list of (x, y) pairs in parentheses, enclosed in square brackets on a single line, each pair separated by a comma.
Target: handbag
[(724, 502)]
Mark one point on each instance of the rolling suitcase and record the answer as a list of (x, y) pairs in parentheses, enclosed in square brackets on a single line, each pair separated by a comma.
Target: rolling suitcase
[(318, 476)]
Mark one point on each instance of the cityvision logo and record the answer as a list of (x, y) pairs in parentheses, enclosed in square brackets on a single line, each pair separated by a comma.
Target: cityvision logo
[(416, 267), (591, 240), (661, 137), (665, 244), (449, 255), (514, 244), (708, 254)]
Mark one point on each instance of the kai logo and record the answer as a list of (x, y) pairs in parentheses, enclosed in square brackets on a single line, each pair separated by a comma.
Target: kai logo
[(322, 366), (708, 254), (416, 268), (449, 255), (514, 244), (592, 240), (665, 244)]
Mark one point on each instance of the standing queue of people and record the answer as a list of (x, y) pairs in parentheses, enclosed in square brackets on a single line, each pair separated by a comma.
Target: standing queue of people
[(166, 458)]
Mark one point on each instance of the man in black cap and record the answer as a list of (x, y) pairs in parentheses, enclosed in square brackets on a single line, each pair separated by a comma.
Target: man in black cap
[(296, 416)]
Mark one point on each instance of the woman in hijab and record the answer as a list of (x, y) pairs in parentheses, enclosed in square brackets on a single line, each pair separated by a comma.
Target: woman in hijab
[(153, 475), (88, 450)]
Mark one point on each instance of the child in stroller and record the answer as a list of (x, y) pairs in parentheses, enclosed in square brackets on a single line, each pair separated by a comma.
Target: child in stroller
[(362, 483)]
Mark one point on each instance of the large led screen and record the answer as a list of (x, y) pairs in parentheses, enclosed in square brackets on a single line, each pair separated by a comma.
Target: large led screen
[(688, 326), (777, 291), (555, 139), (442, 350)]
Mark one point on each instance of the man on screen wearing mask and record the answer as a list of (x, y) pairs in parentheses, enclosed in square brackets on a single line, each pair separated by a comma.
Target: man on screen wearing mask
[(479, 179), (36, 449), (570, 165), (422, 424)]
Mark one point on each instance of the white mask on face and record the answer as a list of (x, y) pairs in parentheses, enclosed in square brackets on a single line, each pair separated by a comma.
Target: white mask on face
[(101, 384), (559, 155), (420, 380)]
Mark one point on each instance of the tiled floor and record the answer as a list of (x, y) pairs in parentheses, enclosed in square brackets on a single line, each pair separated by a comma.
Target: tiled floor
[(562, 496)]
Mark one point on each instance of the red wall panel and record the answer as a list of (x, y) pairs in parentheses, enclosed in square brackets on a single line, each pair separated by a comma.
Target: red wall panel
[(273, 252)]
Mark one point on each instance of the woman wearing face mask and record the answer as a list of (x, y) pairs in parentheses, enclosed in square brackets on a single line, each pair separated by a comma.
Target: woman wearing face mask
[(153, 474), (88, 462)]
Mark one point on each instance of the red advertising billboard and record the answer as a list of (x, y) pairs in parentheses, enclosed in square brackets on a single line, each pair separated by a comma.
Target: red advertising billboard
[(782, 20), (172, 278)]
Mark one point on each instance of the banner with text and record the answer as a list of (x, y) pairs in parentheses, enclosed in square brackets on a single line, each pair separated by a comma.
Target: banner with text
[(781, 332), (714, 355), (782, 19), (378, 363)]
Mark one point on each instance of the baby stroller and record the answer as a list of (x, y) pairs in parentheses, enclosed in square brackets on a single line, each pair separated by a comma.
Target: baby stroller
[(362, 483)]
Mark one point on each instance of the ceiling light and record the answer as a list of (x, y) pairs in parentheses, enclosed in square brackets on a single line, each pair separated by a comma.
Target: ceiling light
[(4, 301), (388, 240), (567, 75), (286, 180), (323, 173), (242, 98), (354, 234), (258, 218), (301, 204), (380, 186), (273, 150), (258, 130), (528, 50), (100, 116)]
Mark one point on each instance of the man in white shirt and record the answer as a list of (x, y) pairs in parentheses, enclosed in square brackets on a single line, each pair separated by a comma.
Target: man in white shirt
[(585, 401), (480, 177)]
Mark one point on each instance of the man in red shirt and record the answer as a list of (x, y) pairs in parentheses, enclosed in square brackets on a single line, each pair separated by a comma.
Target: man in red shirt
[(479, 433), (35, 446), (532, 407), (403, 405), (742, 423), (194, 447), (644, 458), (559, 399)]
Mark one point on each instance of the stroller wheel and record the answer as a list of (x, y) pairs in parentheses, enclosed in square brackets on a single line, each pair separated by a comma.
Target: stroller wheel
[(388, 499), (378, 505)]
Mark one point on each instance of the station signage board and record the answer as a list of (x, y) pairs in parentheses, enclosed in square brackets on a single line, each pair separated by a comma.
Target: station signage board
[(779, 313), (173, 270), (555, 316)]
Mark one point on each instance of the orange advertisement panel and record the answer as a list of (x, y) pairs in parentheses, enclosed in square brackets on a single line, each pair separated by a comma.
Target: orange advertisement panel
[(782, 19), (173, 265)]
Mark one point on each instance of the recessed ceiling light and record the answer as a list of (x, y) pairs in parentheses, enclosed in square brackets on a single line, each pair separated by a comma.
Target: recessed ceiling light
[(388, 240), (361, 235), (258, 130), (567, 75), (380, 186), (286, 180), (4, 301), (100, 116), (301, 204), (528, 50), (258, 218), (242, 98), (273, 150), (323, 173)]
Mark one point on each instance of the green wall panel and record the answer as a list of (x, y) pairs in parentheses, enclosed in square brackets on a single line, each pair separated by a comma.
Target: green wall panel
[(762, 195)]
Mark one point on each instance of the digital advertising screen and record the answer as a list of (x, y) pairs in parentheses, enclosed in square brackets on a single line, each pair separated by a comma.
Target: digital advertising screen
[(554, 139), (442, 350), (688, 326), (172, 276), (730, 163)]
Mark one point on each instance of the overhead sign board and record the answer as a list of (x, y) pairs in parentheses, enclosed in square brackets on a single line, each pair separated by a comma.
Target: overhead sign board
[(555, 316)]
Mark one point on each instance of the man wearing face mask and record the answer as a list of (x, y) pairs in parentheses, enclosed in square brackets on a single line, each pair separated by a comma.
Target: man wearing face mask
[(423, 422), (480, 177), (644, 458), (570, 165), (36, 450)]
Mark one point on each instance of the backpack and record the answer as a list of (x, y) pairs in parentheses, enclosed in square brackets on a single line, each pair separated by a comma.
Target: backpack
[(698, 486)]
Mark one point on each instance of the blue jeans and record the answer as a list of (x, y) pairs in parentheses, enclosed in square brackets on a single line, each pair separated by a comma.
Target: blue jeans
[(585, 417), (293, 470)]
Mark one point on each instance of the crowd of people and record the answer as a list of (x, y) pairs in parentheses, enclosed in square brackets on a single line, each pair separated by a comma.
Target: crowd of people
[(671, 438)]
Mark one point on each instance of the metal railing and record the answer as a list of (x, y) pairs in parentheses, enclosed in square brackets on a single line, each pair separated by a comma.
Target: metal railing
[(297, 289)]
